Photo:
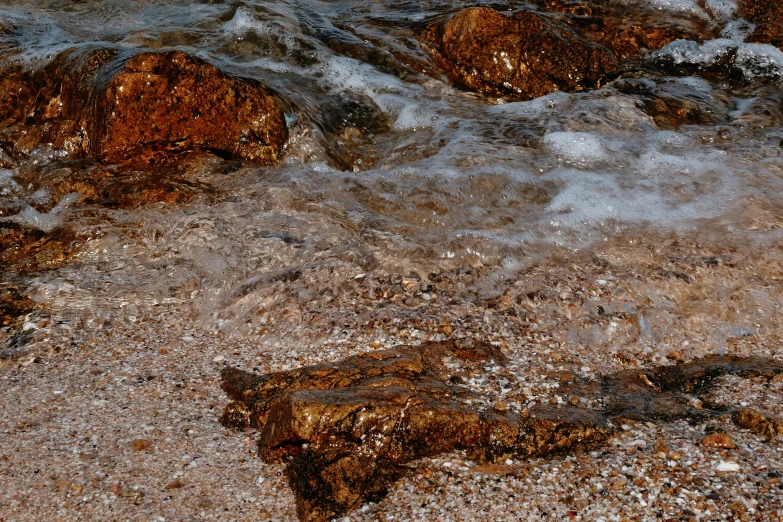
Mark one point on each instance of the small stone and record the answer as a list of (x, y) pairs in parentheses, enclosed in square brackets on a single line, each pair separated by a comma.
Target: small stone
[(177, 484), (718, 440), (675, 355), (727, 466), (163, 351), (140, 445), (501, 406), (218, 358), (498, 470), (132, 493)]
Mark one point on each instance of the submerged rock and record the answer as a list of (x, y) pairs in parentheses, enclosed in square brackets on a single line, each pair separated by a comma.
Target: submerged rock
[(140, 110), (14, 305), (627, 29), (522, 56), (26, 249), (348, 428)]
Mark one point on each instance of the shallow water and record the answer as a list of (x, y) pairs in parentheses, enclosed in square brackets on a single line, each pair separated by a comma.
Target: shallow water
[(390, 170)]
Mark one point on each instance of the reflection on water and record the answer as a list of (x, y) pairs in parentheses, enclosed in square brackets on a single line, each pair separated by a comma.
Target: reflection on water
[(391, 173)]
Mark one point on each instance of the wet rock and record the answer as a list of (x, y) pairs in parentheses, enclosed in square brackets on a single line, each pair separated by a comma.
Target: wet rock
[(25, 249), (170, 102), (574, 46), (768, 17), (521, 56), (140, 110), (758, 423), (672, 103), (718, 440), (13, 305), (627, 29), (347, 429), (97, 184)]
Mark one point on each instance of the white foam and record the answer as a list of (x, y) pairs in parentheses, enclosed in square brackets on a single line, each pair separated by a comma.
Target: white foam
[(44, 221), (678, 6), (7, 183), (722, 9), (754, 60), (577, 147), (670, 182), (737, 30)]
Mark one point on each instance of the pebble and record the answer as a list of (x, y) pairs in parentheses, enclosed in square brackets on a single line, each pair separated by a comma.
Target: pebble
[(727, 466), (140, 445), (718, 440), (218, 358)]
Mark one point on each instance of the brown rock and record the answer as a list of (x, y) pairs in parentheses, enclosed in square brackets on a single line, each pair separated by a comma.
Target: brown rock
[(13, 305), (170, 102), (522, 56), (671, 104), (718, 440), (627, 30), (348, 428), (758, 423), (768, 17), (146, 109), (140, 445), (25, 249)]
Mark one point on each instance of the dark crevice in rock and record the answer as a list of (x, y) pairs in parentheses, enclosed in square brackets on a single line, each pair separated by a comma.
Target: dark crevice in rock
[(348, 428)]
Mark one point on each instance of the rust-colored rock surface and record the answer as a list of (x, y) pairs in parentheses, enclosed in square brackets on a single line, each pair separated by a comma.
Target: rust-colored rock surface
[(759, 423), (25, 249), (628, 29), (768, 17), (522, 56), (141, 110), (13, 305), (168, 102), (568, 45), (348, 428)]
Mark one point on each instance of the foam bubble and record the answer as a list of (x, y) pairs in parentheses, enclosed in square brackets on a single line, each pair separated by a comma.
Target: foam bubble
[(577, 147)]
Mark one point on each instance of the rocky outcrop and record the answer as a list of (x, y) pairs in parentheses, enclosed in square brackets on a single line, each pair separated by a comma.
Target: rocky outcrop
[(768, 17), (573, 46), (347, 429), (522, 56), (140, 110)]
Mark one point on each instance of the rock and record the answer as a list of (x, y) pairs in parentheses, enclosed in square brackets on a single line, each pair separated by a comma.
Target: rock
[(575, 46), (170, 102), (141, 110), (727, 467), (140, 445), (758, 423), (24, 249), (627, 30), (718, 440), (520, 57), (768, 17), (347, 429), (13, 305), (671, 103)]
